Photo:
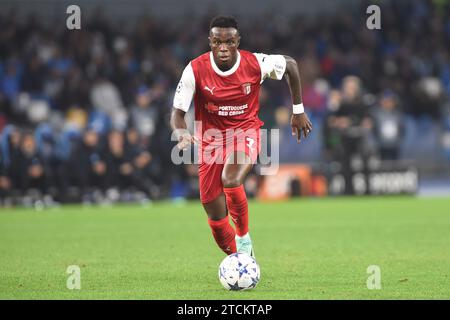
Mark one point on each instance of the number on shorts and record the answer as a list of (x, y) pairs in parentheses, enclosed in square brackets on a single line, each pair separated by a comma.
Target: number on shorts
[(250, 143)]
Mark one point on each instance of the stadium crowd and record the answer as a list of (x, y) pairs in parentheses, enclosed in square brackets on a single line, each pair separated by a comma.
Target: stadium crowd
[(84, 113)]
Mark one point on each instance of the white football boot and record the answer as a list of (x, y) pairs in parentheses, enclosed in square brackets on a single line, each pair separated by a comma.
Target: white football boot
[(244, 245)]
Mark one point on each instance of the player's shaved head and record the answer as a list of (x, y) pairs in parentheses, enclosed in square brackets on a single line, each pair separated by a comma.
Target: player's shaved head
[(224, 22), (224, 41), (223, 32)]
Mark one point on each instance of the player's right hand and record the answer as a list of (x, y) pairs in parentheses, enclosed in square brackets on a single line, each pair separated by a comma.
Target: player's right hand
[(300, 123), (184, 140)]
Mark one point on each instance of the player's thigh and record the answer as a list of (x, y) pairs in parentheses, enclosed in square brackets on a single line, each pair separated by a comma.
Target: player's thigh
[(210, 182), (237, 165)]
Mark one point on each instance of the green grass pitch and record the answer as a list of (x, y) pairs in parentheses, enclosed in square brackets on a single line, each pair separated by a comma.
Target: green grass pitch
[(306, 248)]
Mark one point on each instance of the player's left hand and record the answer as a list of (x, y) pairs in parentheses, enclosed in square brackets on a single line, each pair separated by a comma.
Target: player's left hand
[(184, 140), (300, 123)]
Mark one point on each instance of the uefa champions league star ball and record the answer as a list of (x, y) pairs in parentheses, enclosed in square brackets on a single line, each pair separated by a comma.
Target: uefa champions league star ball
[(239, 271)]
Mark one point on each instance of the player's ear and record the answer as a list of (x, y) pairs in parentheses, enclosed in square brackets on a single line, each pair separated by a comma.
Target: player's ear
[(209, 42)]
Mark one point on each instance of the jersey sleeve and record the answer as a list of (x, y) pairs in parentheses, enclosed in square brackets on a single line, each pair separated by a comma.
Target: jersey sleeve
[(272, 66), (185, 90)]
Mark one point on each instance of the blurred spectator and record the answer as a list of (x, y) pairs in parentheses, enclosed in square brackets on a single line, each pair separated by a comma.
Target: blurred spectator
[(34, 70), (332, 140), (428, 97), (122, 173), (388, 126), (86, 167), (5, 182), (142, 158), (350, 124), (445, 138), (105, 97), (11, 139), (315, 96), (31, 166), (352, 116), (144, 116), (118, 163), (10, 83)]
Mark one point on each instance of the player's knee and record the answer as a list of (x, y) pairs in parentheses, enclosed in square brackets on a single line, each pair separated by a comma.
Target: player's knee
[(231, 181), (217, 215)]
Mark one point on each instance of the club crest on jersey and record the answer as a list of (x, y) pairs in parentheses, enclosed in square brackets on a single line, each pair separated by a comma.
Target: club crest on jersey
[(246, 87)]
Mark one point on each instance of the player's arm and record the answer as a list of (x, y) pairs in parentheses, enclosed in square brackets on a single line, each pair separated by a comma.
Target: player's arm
[(299, 120), (178, 125), (276, 67), (181, 103)]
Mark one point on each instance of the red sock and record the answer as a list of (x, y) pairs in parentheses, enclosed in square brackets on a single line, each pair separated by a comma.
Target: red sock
[(224, 234), (238, 208)]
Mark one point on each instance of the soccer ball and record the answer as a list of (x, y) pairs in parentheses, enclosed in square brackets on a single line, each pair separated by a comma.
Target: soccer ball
[(239, 271)]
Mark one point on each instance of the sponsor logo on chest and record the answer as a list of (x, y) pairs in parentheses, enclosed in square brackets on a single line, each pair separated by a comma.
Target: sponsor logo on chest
[(210, 89), (226, 110), (223, 100)]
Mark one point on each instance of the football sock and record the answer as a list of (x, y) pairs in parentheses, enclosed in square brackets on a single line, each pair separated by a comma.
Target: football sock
[(224, 234), (238, 208)]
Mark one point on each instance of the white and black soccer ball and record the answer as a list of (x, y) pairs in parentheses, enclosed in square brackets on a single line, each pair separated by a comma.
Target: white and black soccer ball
[(239, 271)]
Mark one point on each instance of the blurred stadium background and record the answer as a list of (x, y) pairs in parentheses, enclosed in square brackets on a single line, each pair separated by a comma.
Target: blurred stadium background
[(84, 113)]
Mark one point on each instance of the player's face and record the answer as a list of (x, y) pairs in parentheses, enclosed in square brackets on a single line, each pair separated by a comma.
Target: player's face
[(224, 43)]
